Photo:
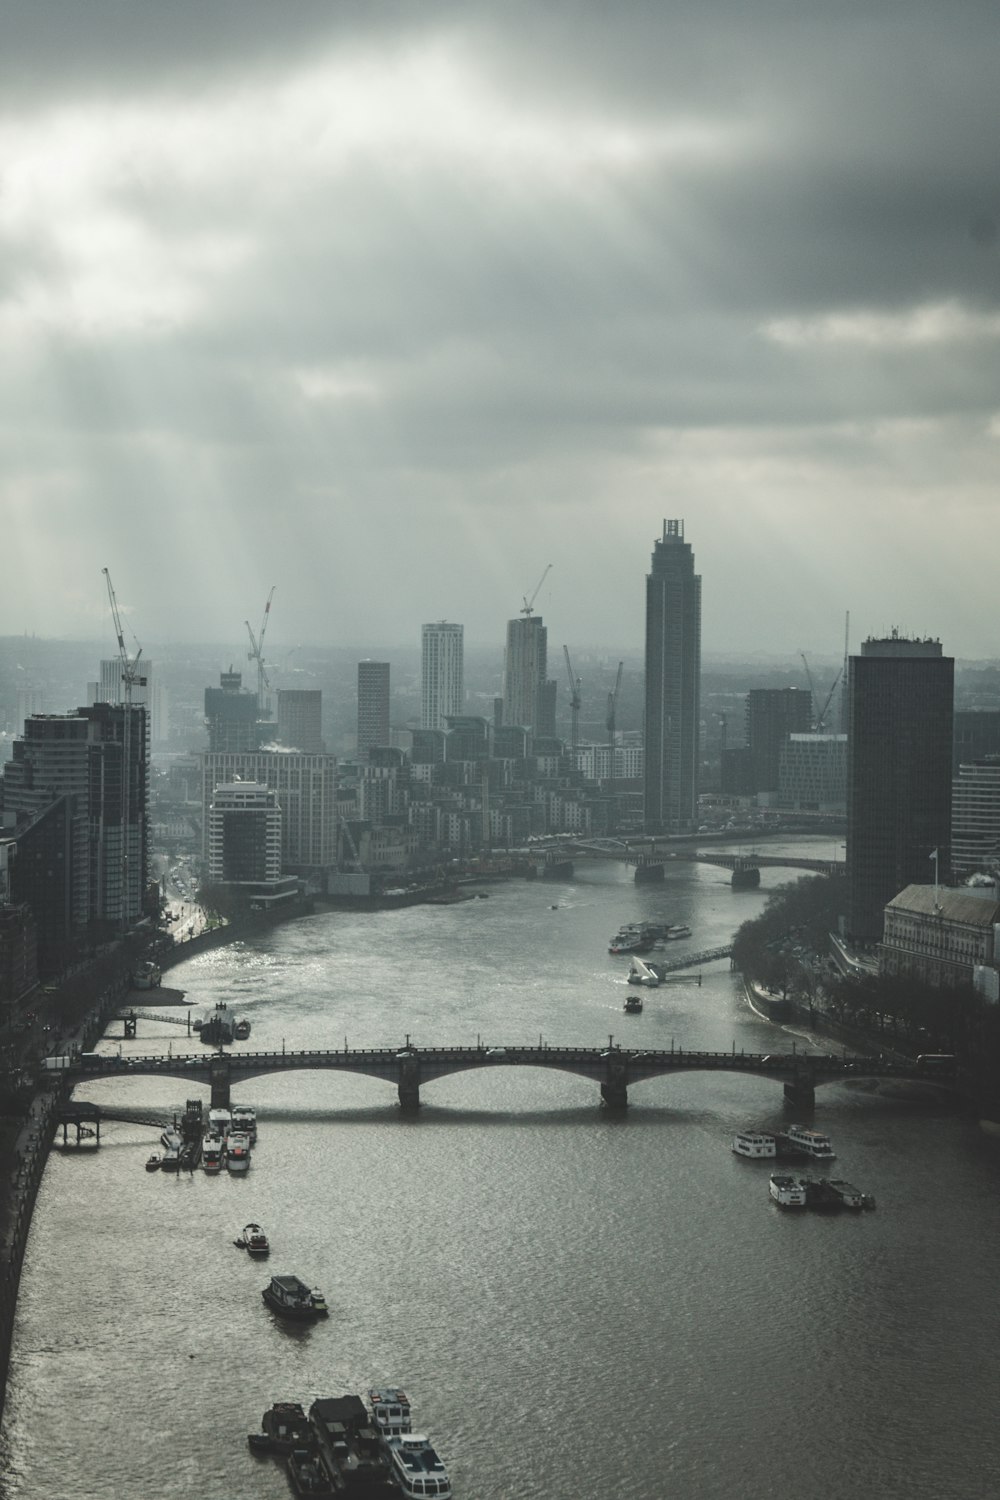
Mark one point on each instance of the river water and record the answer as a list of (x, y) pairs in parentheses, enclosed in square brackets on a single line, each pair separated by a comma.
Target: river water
[(580, 1306)]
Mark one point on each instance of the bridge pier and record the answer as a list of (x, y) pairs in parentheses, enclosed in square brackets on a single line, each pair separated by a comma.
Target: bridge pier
[(408, 1086), (131, 1022), (800, 1092), (220, 1074), (614, 1089)]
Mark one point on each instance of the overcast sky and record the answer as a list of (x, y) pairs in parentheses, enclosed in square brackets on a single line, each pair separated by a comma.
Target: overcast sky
[(390, 305)]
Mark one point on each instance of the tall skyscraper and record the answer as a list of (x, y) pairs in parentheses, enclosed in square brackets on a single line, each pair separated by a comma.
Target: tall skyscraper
[(232, 716), (673, 684), (524, 669), (442, 681), (373, 705), (900, 702)]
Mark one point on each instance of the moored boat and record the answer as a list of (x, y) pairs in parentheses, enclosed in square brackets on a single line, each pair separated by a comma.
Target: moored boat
[(850, 1196), (286, 1426), (389, 1406), (754, 1143), (238, 1152), (244, 1118), (308, 1475), (153, 1162), (787, 1191), (633, 1005), (213, 1150), (253, 1239), (290, 1298), (319, 1303), (349, 1445), (241, 1029), (171, 1160), (812, 1142), (417, 1467)]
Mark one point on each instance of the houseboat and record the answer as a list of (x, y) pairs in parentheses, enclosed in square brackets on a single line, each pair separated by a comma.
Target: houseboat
[(754, 1143), (812, 1143), (787, 1191), (289, 1298)]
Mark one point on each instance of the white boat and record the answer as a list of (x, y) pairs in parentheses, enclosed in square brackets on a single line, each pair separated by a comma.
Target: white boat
[(220, 1122), (679, 930), (213, 1150), (417, 1467), (253, 1239), (754, 1143), (390, 1411), (787, 1191), (245, 1119), (238, 1152), (813, 1142), (641, 973)]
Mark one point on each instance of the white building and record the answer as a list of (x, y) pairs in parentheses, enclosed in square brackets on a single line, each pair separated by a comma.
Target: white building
[(442, 674), (812, 773), (244, 834), (940, 936)]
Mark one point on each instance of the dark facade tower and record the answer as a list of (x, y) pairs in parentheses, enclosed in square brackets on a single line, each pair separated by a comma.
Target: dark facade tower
[(772, 715), (900, 703), (300, 719), (231, 716), (373, 705), (673, 684)]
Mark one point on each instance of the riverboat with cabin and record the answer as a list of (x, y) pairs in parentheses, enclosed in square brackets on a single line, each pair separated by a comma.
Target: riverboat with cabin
[(812, 1143), (787, 1191), (290, 1298), (754, 1144)]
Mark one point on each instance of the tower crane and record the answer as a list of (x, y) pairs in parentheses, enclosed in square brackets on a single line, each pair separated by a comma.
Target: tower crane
[(574, 701), (130, 677), (819, 714), (609, 720), (528, 605), (256, 653)]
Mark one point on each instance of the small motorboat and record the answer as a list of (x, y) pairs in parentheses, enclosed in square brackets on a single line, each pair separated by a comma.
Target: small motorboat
[(633, 1005), (153, 1162), (319, 1303), (254, 1240)]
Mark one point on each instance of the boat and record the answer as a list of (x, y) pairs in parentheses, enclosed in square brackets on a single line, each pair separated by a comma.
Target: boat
[(286, 1426), (245, 1119), (289, 1298), (812, 1142), (238, 1152), (171, 1160), (308, 1475), (642, 973), (171, 1140), (850, 1196), (416, 1466), (146, 976), (197, 1023), (350, 1446), (213, 1151), (253, 1239), (319, 1303), (389, 1406), (787, 1191), (241, 1029), (679, 930), (217, 1029), (754, 1143), (220, 1122), (820, 1195), (153, 1162), (633, 1005)]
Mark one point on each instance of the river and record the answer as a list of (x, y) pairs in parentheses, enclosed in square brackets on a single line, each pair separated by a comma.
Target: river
[(579, 1306)]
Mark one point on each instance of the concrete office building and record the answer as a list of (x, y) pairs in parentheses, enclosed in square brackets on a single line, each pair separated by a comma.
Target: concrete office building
[(673, 685), (442, 679), (232, 716), (306, 788), (975, 818), (812, 773), (373, 705), (900, 701), (244, 834)]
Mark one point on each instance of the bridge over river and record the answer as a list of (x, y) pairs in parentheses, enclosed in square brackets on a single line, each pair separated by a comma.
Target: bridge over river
[(614, 1068), (651, 856)]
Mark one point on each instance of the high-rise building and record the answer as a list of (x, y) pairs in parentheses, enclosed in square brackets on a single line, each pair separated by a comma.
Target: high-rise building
[(524, 672), (306, 787), (232, 716), (373, 705), (975, 818), (146, 690), (772, 715), (900, 702), (300, 719), (673, 684), (244, 834), (442, 681)]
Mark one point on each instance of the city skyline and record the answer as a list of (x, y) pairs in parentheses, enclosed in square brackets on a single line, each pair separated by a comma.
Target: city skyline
[(473, 290)]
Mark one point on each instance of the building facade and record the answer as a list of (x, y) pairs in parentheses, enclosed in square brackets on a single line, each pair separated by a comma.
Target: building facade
[(673, 685), (525, 667), (812, 773), (306, 788), (975, 818), (900, 697), (300, 720), (442, 673), (772, 715), (232, 716), (941, 937), (244, 834), (373, 705)]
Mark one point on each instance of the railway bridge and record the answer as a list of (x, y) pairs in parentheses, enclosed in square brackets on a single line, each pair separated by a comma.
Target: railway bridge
[(613, 1068)]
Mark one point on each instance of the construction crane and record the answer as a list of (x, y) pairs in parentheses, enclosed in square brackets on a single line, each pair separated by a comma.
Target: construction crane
[(256, 653), (528, 605), (819, 714), (574, 701), (130, 677), (609, 720)]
